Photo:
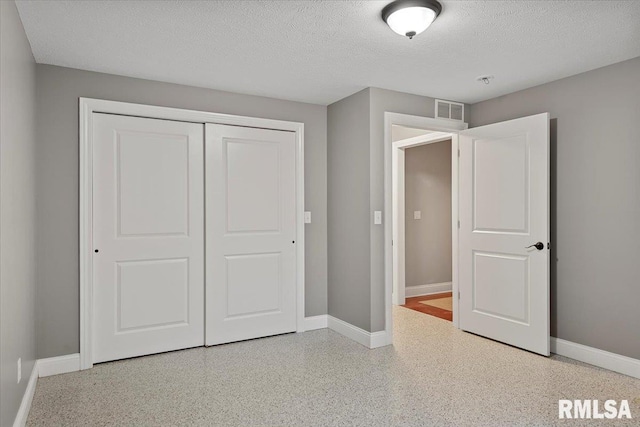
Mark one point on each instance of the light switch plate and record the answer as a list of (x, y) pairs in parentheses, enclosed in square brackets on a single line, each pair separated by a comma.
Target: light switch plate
[(417, 214), (307, 217), (377, 217)]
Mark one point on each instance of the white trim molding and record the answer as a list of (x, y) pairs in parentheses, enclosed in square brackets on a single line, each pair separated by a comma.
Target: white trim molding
[(359, 335), (44, 368), (430, 289), (58, 365), (367, 339), (27, 398), (87, 107), (316, 322), (593, 356)]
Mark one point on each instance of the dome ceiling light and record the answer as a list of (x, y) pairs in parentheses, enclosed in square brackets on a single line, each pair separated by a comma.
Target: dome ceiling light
[(411, 17)]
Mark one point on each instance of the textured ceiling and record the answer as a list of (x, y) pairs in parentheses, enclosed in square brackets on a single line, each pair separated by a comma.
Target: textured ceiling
[(322, 51)]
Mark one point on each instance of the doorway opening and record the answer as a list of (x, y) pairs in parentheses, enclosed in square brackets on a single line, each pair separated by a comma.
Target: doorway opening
[(412, 132), (423, 220)]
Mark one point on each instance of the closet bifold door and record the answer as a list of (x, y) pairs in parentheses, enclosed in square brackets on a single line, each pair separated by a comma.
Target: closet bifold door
[(250, 233), (148, 231)]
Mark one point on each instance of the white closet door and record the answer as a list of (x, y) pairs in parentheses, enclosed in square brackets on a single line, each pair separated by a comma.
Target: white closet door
[(148, 209), (251, 233)]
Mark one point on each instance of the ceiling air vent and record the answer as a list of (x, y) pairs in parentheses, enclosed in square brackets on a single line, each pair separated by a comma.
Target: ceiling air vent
[(449, 110)]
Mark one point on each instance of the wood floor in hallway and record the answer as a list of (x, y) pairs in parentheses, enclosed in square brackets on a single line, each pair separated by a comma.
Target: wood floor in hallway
[(414, 303)]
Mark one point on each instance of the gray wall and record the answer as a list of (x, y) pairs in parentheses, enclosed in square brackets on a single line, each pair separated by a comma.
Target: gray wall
[(348, 206), (356, 190), (17, 211), (427, 188), (57, 183), (595, 200)]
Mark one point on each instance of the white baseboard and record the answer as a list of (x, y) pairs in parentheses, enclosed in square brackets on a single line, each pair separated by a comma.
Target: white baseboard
[(379, 339), (25, 405), (367, 339), (58, 365), (315, 322), (421, 290), (593, 356), (44, 368)]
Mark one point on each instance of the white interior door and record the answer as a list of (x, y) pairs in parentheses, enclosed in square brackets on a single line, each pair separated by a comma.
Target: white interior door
[(504, 210), (251, 233), (148, 216)]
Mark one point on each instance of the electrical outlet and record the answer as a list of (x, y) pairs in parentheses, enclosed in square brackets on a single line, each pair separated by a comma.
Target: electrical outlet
[(19, 369), (307, 217)]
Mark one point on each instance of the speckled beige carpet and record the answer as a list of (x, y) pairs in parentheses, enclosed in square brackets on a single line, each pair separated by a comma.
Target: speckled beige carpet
[(445, 303), (433, 375)]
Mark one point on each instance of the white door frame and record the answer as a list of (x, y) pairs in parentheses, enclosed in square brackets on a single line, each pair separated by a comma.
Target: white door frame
[(398, 210), (430, 124), (88, 106)]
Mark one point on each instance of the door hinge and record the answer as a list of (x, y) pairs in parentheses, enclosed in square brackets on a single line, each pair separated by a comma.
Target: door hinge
[(458, 152), (458, 294), (458, 223)]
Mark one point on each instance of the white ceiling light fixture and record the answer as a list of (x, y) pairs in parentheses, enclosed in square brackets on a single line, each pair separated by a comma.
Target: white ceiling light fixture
[(411, 17)]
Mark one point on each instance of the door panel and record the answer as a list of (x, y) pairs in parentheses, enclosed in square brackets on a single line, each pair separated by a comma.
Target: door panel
[(499, 274), (247, 295), (504, 208), (251, 233), (149, 233), (500, 205), (138, 281), (253, 204), (152, 174)]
